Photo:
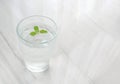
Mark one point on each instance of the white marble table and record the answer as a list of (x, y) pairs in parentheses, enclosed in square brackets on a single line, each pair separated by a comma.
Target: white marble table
[(88, 43)]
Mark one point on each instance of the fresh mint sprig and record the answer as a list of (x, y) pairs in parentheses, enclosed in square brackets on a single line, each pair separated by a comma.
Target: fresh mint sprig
[(38, 31)]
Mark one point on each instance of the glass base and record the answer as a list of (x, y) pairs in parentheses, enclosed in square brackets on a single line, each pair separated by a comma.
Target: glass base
[(37, 67)]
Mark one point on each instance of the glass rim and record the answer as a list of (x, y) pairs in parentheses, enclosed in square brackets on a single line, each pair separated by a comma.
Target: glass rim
[(17, 27)]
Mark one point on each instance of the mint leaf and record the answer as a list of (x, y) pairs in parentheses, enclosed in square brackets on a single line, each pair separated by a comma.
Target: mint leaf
[(36, 28), (43, 31), (32, 33)]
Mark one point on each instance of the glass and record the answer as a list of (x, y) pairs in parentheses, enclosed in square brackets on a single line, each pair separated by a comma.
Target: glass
[(37, 50)]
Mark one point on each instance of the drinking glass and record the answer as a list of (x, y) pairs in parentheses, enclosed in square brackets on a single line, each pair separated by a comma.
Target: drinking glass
[(37, 48)]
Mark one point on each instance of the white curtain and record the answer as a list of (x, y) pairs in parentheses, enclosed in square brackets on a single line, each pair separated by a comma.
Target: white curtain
[(89, 29)]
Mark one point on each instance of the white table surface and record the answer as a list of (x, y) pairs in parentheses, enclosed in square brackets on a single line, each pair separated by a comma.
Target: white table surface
[(88, 45)]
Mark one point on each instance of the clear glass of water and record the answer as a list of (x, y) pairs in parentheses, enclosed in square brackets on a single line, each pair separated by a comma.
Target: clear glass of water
[(37, 49)]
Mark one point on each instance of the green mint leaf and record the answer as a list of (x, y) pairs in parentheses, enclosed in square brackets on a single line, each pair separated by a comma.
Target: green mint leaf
[(33, 33), (36, 28), (43, 31)]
